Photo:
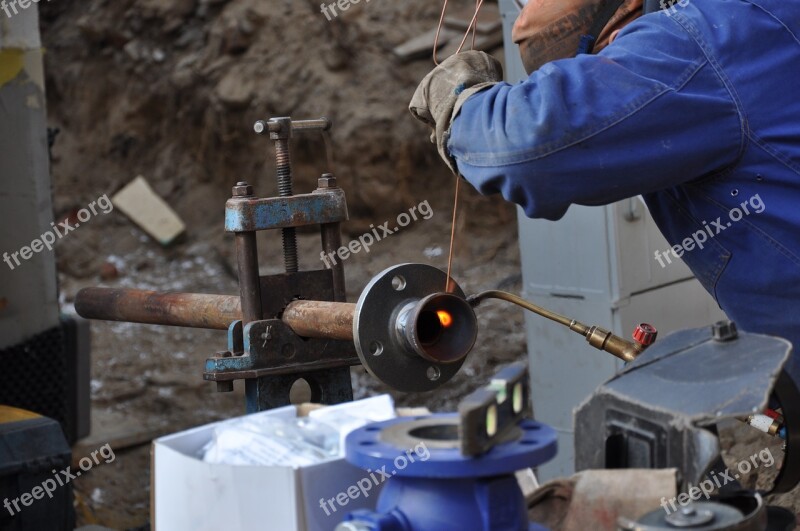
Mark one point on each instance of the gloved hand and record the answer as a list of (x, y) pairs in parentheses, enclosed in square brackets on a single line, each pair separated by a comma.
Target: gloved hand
[(444, 90)]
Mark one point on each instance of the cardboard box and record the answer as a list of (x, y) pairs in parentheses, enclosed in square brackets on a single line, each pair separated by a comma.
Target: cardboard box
[(191, 495)]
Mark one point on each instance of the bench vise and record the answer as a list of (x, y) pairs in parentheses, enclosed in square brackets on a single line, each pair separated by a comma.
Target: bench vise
[(297, 325)]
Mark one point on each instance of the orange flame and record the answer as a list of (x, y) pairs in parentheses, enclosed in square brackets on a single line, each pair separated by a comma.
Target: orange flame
[(445, 318)]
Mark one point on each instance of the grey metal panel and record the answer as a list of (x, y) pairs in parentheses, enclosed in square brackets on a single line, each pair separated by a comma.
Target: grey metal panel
[(675, 307), (638, 238), (564, 370), (564, 463), (570, 256), (660, 406)]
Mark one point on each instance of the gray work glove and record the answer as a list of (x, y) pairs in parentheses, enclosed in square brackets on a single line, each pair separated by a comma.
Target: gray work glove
[(444, 90)]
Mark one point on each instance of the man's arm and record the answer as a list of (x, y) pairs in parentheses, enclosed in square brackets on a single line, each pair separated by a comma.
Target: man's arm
[(647, 113)]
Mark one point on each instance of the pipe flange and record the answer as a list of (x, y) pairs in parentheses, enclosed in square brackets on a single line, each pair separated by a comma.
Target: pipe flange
[(394, 338), (378, 445)]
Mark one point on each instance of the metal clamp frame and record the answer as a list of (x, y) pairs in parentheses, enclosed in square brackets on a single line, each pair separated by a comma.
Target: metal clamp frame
[(263, 351)]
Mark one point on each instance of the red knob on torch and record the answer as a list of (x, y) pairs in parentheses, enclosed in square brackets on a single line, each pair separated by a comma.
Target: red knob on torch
[(645, 334)]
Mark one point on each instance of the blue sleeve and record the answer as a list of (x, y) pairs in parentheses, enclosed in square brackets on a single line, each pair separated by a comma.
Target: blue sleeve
[(649, 112)]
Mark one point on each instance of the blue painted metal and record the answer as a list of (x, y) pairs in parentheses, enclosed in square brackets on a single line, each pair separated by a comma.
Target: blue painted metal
[(438, 489), (270, 358), (269, 347), (245, 215), (235, 336)]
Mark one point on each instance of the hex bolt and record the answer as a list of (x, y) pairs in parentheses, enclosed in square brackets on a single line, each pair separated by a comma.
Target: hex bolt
[(724, 331), (326, 181), (242, 189)]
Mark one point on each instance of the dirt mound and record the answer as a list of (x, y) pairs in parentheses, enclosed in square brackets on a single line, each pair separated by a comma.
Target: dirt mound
[(171, 88)]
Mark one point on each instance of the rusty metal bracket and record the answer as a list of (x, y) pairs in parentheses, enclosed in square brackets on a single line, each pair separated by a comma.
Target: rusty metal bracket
[(270, 347), (317, 208), (270, 355)]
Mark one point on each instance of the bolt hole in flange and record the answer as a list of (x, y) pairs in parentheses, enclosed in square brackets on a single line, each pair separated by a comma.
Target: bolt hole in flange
[(398, 283), (433, 373), (375, 348)]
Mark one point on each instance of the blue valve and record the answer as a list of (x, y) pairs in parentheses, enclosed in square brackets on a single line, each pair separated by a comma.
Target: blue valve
[(439, 489)]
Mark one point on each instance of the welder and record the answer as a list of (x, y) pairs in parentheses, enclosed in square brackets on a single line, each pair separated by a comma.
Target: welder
[(693, 105)]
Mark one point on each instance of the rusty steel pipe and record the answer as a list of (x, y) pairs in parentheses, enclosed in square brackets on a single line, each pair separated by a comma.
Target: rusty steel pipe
[(192, 310), (318, 319)]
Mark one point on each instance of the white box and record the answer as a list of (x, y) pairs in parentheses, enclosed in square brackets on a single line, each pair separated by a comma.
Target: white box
[(191, 495)]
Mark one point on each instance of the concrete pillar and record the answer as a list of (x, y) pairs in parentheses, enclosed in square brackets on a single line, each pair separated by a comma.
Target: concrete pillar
[(28, 292)]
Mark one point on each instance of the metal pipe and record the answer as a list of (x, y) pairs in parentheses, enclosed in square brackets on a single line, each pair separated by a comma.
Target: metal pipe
[(475, 300), (597, 337), (319, 319), (271, 126), (441, 328), (192, 310)]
